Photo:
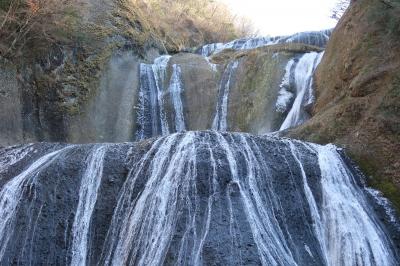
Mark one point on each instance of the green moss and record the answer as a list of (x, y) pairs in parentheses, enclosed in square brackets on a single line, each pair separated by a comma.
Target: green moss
[(311, 133), (386, 17), (87, 76), (390, 191), (289, 48), (4, 4), (385, 185), (254, 85), (389, 109)]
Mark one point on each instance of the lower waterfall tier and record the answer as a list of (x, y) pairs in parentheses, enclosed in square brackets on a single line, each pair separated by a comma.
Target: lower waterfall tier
[(193, 198)]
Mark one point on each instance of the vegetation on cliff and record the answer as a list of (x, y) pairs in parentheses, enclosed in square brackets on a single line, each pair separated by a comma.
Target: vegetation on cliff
[(180, 24), (36, 25)]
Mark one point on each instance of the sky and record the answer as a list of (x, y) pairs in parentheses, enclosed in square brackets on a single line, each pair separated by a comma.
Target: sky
[(283, 17)]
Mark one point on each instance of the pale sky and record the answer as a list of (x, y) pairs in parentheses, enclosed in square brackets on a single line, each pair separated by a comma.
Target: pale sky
[(283, 17)]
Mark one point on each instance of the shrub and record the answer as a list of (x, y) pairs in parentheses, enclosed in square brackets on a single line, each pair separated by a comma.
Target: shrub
[(32, 26), (36, 24), (186, 23)]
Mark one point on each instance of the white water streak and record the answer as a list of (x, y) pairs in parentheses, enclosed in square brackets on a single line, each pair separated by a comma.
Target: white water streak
[(146, 229), (220, 120), (89, 187), (151, 111), (12, 193), (285, 95), (176, 89), (267, 233), (159, 69), (13, 156), (303, 82), (317, 223), (353, 233)]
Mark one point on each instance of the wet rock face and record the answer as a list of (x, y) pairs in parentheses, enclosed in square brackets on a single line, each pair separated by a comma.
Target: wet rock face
[(31, 101), (47, 102), (255, 92), (231, 91), (200, 82), (59, 91), (190, 198), (10, 105), (110, 115), (43, 221), (67, 98)]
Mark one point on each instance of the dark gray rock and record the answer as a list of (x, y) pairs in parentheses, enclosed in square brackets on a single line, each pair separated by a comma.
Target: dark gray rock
[(189, 198)]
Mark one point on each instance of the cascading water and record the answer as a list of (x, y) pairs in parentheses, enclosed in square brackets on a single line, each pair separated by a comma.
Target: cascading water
[(316, 38), (194, 198), (159, 69), (176, 89), (151, 117), (12, 193), (349, 239), (89, 188), (220, 121), (156, 111), (298, 80), (12, 156), (147, 113)]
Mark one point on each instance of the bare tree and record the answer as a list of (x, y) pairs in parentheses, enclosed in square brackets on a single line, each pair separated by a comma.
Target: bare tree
[(35, 23)]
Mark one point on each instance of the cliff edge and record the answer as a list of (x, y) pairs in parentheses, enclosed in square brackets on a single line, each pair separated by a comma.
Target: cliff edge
[(358, 93)]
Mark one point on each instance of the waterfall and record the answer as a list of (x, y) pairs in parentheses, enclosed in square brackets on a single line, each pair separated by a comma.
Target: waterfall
[(12, 193), (148, 104), (285, 94), (176, 89), (220, 119), (161, 96), (353, 233), (159, 70), (196, 197), (299, 79), (315, 214), (192, 198), (151, 117), (12, 156), (172, 194), (89, 187), (209, 49), (315, 38)]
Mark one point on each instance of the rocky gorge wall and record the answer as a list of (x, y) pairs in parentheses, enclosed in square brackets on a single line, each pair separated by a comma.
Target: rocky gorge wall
[(228, 91), (72, 96), (55, 92)]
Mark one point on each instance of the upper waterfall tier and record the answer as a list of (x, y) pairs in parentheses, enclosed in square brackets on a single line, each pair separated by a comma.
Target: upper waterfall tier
[(315, 38), (298, 82), (260, 92), (194, 198), (137, 98)]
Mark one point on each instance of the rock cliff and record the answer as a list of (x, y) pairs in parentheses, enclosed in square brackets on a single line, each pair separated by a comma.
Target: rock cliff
[(358, 93)]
